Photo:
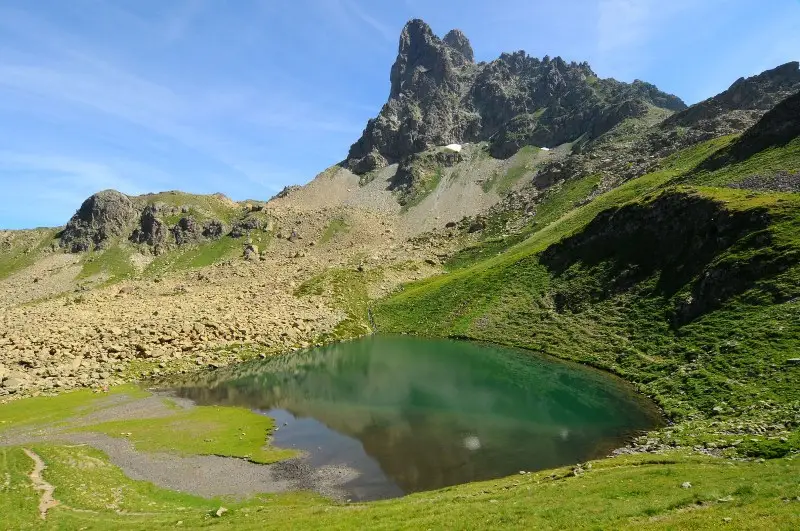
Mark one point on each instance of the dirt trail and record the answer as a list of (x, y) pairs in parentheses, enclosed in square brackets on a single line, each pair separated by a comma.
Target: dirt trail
[(47, 501)]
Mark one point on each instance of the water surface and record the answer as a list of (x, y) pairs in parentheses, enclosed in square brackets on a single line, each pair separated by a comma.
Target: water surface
[(412, 414)]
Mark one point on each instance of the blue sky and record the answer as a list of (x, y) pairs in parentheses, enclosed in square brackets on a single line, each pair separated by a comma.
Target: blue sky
[(246, 96)]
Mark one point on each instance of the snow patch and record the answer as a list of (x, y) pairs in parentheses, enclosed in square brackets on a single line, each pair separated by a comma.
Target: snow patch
[(453, 147)]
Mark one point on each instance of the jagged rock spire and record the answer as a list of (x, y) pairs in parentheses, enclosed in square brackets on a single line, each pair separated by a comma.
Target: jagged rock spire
[(439, 95), (456, 39)]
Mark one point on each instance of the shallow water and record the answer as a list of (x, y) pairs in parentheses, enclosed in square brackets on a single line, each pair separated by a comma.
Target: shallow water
[(413, 414)]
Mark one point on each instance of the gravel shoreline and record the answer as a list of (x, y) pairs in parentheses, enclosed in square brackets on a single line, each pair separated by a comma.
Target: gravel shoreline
[(202, 475)]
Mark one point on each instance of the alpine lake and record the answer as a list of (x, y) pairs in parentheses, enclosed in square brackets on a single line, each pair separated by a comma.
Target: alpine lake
[(412, 414)]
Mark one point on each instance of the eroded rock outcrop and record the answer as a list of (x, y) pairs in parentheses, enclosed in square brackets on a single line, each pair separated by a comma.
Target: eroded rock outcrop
[(100, 218), (743, 103), (439, 95), (110, 217)]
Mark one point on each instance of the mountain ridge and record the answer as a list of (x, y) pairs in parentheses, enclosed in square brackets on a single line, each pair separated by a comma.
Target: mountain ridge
[(438, 95)]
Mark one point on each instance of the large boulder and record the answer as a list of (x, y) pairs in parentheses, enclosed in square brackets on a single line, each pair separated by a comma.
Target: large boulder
[(102, 217), (152, 230), (187, 230)]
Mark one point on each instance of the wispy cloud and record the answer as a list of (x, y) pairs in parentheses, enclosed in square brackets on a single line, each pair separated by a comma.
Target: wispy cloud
[(80, 174), (62, 182), (626, 29), (352, 19), (382, 29), (189, 115)]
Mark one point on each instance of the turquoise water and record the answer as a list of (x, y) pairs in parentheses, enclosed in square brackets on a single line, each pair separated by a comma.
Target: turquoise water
[(414, 414)]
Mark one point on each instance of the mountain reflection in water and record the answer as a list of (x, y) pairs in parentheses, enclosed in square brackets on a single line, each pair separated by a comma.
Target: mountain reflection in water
[(416, 414)]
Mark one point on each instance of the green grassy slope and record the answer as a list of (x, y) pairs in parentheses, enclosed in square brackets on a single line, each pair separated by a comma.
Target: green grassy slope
[(629, 492), (688, 292), (636, 492), (19, 249)]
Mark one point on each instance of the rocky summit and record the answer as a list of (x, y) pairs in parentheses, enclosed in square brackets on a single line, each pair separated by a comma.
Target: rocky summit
[(439, 95), (524, 202)]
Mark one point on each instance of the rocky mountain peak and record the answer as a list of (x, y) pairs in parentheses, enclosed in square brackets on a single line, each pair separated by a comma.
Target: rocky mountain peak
[(422, 60), (439, 96), (456, 39)]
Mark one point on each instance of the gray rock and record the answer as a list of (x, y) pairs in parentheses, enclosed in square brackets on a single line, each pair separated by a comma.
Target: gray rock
[(213, 229), (456, 40), (101, 217), (760, 92), (152, 230), (187, 230), (250, 252), (12, 383), (244, 226), (438, 95)]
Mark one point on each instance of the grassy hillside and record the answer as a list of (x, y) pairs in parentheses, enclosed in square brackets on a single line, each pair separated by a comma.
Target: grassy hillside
[(690, 292), (636, 492), (668, 491), (19, 249)]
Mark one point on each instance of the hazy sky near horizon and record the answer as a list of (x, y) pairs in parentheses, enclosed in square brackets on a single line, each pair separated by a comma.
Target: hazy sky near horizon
[(244, 97)]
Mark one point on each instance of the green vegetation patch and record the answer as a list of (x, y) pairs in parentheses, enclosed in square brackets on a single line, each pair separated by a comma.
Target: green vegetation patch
[(632, 492), (20, 249), (94, 494), (54, 409), (422, 186), (523, 164), (556, 202), (204, 254), (689, 293), (334, 228), (201, 207), (764, 164), (347, 289), (114, 262), (201, 430)]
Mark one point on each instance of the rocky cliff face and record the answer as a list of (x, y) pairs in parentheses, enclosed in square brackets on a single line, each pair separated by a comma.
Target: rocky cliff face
[(779, 126), (742, 104), (157, 222), (439, 95), (101, 217)]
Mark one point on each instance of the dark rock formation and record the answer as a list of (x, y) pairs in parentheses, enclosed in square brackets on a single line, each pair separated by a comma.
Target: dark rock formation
[(419, 171), (109, 216), (777, 127), (456, 40), (244, 226), (625, 246), (152, 230), (156, 233), (187, 230), (742, 104), (101, 217), (438, 96), (213, 229)]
